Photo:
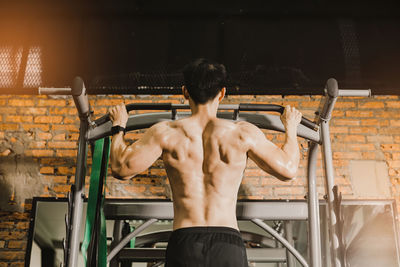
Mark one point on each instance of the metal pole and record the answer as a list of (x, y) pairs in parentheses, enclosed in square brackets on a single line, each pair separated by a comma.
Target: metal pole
[(289, 236), (336, 259), (79, 196), (82, 104), (117, 236), (283, 241), (355, 92), (313, 207)]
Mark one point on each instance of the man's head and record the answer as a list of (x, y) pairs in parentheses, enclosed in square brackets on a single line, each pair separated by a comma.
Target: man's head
[(204, 79)]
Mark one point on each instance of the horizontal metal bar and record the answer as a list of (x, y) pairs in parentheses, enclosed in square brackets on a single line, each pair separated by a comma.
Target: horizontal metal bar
[(355, 92), (236, 107), (245, 210), (54, 91), (157, 254), (143, 121)]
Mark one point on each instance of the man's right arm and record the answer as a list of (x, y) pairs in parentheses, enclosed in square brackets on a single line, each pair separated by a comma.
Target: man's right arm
[(281, 162)]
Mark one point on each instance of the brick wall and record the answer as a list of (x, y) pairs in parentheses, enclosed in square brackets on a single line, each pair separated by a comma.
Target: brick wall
[(38, 137)]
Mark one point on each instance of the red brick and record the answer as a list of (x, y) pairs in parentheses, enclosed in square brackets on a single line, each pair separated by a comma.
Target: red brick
[(395, 123), (62, 144), (387, 114), (46, 170), (17, 244), (361, 147), (73, 136), (361, 130), (308, 104), (393, 104), (346, 155), (12, 235), (134, 189), (8, 127), (254, 181), (56, 179), (390, 147), (37, 144), (394, 164), (374, 122), (157, 190), (380, 139), (344, 105), (7, 225), (359, 113), (339, 129), (22, 225), (108, 102), (62, 188), (43, 127), (65, 127), (350, 138), (371, 105), (66, 153), (32, 111), (8, 110), (368, 155), (39, 153), (158, 172), (51, 102), (13, 118), (17, 264), (337, 113), (71, 120), (44, 136), (389, 130), (257, 172), (292, 190), (48, 119), (346, 122), (65, 170), (59, 137), (264, 192), (60, 111), (21, 102), (12, 255)]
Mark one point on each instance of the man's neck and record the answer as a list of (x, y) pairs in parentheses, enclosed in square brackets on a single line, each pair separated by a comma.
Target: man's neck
[(204, 112)]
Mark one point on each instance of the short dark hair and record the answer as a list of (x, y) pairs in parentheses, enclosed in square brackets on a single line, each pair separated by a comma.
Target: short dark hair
[(204, 79)]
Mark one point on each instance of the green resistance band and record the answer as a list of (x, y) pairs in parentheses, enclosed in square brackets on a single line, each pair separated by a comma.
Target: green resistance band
[(133, 240), (98, 175)]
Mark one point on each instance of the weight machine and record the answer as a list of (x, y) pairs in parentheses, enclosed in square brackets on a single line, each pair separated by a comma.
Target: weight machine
[(317, 134)]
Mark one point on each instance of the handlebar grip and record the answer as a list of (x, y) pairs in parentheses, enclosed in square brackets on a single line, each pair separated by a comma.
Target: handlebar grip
[(275, 108)]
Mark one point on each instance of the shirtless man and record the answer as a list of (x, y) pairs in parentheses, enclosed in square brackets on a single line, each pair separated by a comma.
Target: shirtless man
[(205, 158)]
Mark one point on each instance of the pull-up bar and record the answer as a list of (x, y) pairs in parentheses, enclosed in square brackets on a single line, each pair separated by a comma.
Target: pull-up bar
[(238, 107)]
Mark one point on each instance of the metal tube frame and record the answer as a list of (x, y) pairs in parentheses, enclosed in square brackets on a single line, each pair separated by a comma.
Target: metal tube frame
[(282, 240), (87, 134), (313, 208)]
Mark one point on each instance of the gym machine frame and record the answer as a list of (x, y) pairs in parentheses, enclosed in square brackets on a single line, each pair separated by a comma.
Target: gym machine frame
[(316, 133)]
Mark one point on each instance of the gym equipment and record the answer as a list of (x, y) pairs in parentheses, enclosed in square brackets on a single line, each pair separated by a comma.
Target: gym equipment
[(317, 133)]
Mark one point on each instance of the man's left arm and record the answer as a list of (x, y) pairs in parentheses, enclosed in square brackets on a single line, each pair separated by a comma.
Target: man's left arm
[(129, 160)]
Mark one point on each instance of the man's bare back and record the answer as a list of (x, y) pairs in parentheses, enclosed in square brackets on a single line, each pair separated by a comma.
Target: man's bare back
[(205, 158), (204, 164)]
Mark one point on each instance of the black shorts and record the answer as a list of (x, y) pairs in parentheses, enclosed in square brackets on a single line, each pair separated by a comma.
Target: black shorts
[(206, 247)]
